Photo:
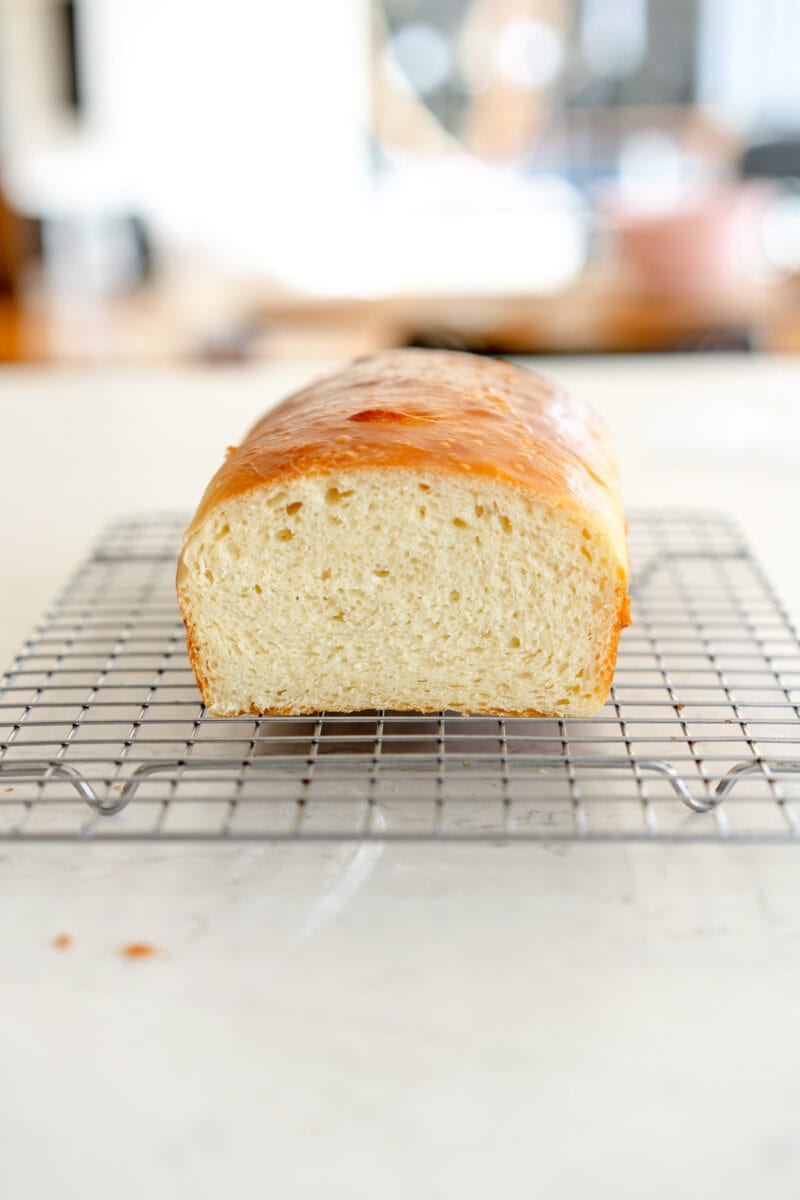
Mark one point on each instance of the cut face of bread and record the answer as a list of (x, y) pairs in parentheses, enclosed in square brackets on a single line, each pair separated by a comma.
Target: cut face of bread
[(408, 589)]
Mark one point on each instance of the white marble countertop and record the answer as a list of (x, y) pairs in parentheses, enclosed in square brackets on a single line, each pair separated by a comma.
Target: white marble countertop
[(405, 1021)]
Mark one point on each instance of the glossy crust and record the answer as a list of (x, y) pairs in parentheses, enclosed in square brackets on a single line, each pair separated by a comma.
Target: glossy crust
[(437, 411)]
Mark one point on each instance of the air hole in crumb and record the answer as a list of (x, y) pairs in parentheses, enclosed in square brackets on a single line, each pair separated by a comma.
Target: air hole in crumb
[(515, 616), (209, 576), (504, 521), (326, 574), (423, 512), (586, 553), (333, 495), (294, 507), (580, 674), (459, 523), (334, 520), (225, 530), (585, 533), (563, 700), (455, 595), (257, 588), (478, 510), (424, 487), (477, 541), (587, 695), (381, 574), (285, 535), (515, 643), (337, 617)]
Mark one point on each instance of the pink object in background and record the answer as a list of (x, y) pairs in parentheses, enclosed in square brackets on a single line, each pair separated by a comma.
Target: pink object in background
[(704, 245)]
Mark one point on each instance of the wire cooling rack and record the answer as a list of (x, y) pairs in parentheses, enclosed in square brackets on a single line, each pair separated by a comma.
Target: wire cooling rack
[(103, 735)]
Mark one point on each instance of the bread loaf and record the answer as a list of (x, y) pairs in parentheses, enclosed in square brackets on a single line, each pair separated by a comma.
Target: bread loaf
[(421, 531)]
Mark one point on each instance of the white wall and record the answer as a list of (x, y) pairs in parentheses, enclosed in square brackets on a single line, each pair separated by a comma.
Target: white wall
[(231, 123)]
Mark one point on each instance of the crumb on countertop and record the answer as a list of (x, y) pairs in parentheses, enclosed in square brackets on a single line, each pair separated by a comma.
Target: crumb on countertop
[(138, 950), (62, 942)]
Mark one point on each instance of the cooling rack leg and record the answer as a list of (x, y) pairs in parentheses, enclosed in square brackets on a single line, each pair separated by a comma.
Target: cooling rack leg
[(42, 771), (755, 767)]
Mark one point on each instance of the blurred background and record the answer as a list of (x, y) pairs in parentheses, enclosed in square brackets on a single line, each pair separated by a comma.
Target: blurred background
[(240, 180)]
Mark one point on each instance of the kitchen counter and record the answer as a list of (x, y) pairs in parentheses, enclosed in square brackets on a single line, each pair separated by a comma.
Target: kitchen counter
[(393, 1021)]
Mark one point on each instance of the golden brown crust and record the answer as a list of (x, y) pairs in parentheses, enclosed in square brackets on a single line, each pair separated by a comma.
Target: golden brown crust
[(195, 658)]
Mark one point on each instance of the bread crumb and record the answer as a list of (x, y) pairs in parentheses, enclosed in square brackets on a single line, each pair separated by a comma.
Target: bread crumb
[(138, 950), (62, 942)]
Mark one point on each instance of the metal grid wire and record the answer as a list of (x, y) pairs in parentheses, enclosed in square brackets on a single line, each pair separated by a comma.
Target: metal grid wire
[(103, 736)]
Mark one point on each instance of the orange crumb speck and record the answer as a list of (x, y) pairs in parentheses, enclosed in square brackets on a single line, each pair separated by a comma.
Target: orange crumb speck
[(9, 789), (138, 950), (62, 942)]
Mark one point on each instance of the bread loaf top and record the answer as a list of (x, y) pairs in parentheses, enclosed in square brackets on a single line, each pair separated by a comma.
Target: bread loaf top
[(441, 411)]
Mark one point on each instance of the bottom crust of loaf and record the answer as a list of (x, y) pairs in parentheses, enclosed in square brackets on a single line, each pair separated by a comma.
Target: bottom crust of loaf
[(402, 590)]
